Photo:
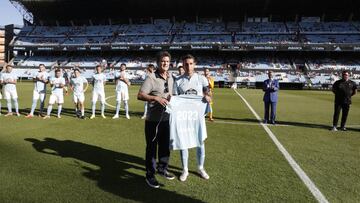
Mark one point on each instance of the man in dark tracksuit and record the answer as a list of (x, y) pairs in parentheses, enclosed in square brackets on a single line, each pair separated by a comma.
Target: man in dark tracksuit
[(343, 89)]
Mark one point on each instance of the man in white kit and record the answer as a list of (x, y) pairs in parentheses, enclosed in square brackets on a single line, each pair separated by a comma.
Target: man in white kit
[(41, 79), (122, 91), (98, 82), (9, 80), (77, 86), (57, 84)]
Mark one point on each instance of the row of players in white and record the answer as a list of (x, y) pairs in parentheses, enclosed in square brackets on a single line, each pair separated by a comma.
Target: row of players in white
[(58, 84)]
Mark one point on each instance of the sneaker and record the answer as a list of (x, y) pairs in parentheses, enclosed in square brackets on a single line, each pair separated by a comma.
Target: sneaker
[(143, 117), (92, 116), (265, 122), (334, 129), (46, 117), (18, 114), (184, 176), (166, 175), (82, 117), (343, 129), (58, 116), (8, 114), (115, 117), (127, 116), (29, 116), (103, 116), (203, 174), (152, 182)]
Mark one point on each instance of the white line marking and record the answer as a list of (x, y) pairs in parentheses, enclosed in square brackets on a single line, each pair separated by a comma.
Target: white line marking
[(107, 104), (302, 175)]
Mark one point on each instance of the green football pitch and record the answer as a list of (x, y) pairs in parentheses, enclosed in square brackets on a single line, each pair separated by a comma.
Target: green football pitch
[(102, 160)]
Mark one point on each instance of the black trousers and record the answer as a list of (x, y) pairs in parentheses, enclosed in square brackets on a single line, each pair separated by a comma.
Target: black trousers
[(157, 143), (345, 111)]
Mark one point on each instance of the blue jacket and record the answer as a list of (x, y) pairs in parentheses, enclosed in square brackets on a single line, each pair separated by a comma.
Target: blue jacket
[(271, 90)]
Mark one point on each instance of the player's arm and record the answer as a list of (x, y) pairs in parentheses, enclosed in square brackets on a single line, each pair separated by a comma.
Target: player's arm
[(334, 87), (45, 80), (150, 98), (12, 81), (71, 86), (86, 86), (354, 89), (144, 94), (127, 81)]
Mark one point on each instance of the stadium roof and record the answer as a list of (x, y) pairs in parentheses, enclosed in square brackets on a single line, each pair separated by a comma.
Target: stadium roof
[(65, 10)]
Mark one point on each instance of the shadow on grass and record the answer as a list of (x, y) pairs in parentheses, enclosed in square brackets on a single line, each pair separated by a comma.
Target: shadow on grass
[(113, 173)]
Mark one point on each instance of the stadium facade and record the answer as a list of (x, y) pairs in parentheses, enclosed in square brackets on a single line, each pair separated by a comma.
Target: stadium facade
[(296, 38)]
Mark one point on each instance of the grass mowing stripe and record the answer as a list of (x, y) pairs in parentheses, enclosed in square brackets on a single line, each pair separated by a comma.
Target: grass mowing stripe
[(303, 176)]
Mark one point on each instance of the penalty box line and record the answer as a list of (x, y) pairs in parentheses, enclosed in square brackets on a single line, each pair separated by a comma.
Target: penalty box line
[(295, 166)]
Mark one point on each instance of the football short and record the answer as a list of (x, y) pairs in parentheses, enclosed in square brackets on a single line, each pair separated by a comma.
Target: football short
[(56, 98), (10, 94), (79, 98), (37, 95), (122, 95)]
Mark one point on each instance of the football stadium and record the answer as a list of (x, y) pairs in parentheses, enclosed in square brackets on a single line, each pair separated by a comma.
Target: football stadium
[(107, 137)]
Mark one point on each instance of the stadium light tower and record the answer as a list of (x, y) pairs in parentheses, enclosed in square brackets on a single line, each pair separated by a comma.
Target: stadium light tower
[(27, 15)]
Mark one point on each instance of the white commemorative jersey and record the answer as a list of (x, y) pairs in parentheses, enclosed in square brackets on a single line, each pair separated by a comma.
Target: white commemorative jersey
[(7, 77), (56, 82), (39, 85), (98, 82), (190, 85), (187, 121), (78, 84), (121, 85)]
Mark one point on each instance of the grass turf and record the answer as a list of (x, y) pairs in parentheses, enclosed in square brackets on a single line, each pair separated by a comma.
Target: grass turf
[(102, 160)]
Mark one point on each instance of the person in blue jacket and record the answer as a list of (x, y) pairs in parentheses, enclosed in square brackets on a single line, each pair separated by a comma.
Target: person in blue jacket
[(271, 88)]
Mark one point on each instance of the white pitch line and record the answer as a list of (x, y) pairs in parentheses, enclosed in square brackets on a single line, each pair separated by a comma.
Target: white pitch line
[(295, 166), (107, 104)]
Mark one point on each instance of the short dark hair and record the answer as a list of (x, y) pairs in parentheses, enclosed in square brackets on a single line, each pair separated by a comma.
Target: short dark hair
[(123, 64), (180, 67), (345, 71), (57, 70), (151, 66), (76, 69), (188, 56), (41, 64), (161, 55), (97, 66)]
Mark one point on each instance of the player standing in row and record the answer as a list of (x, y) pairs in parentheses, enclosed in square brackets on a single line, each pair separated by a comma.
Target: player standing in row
[(98, 82), (211, 91), (77, 86), (122, 91), (9, 80), (41, 79), (192, 83), (57, 84)]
